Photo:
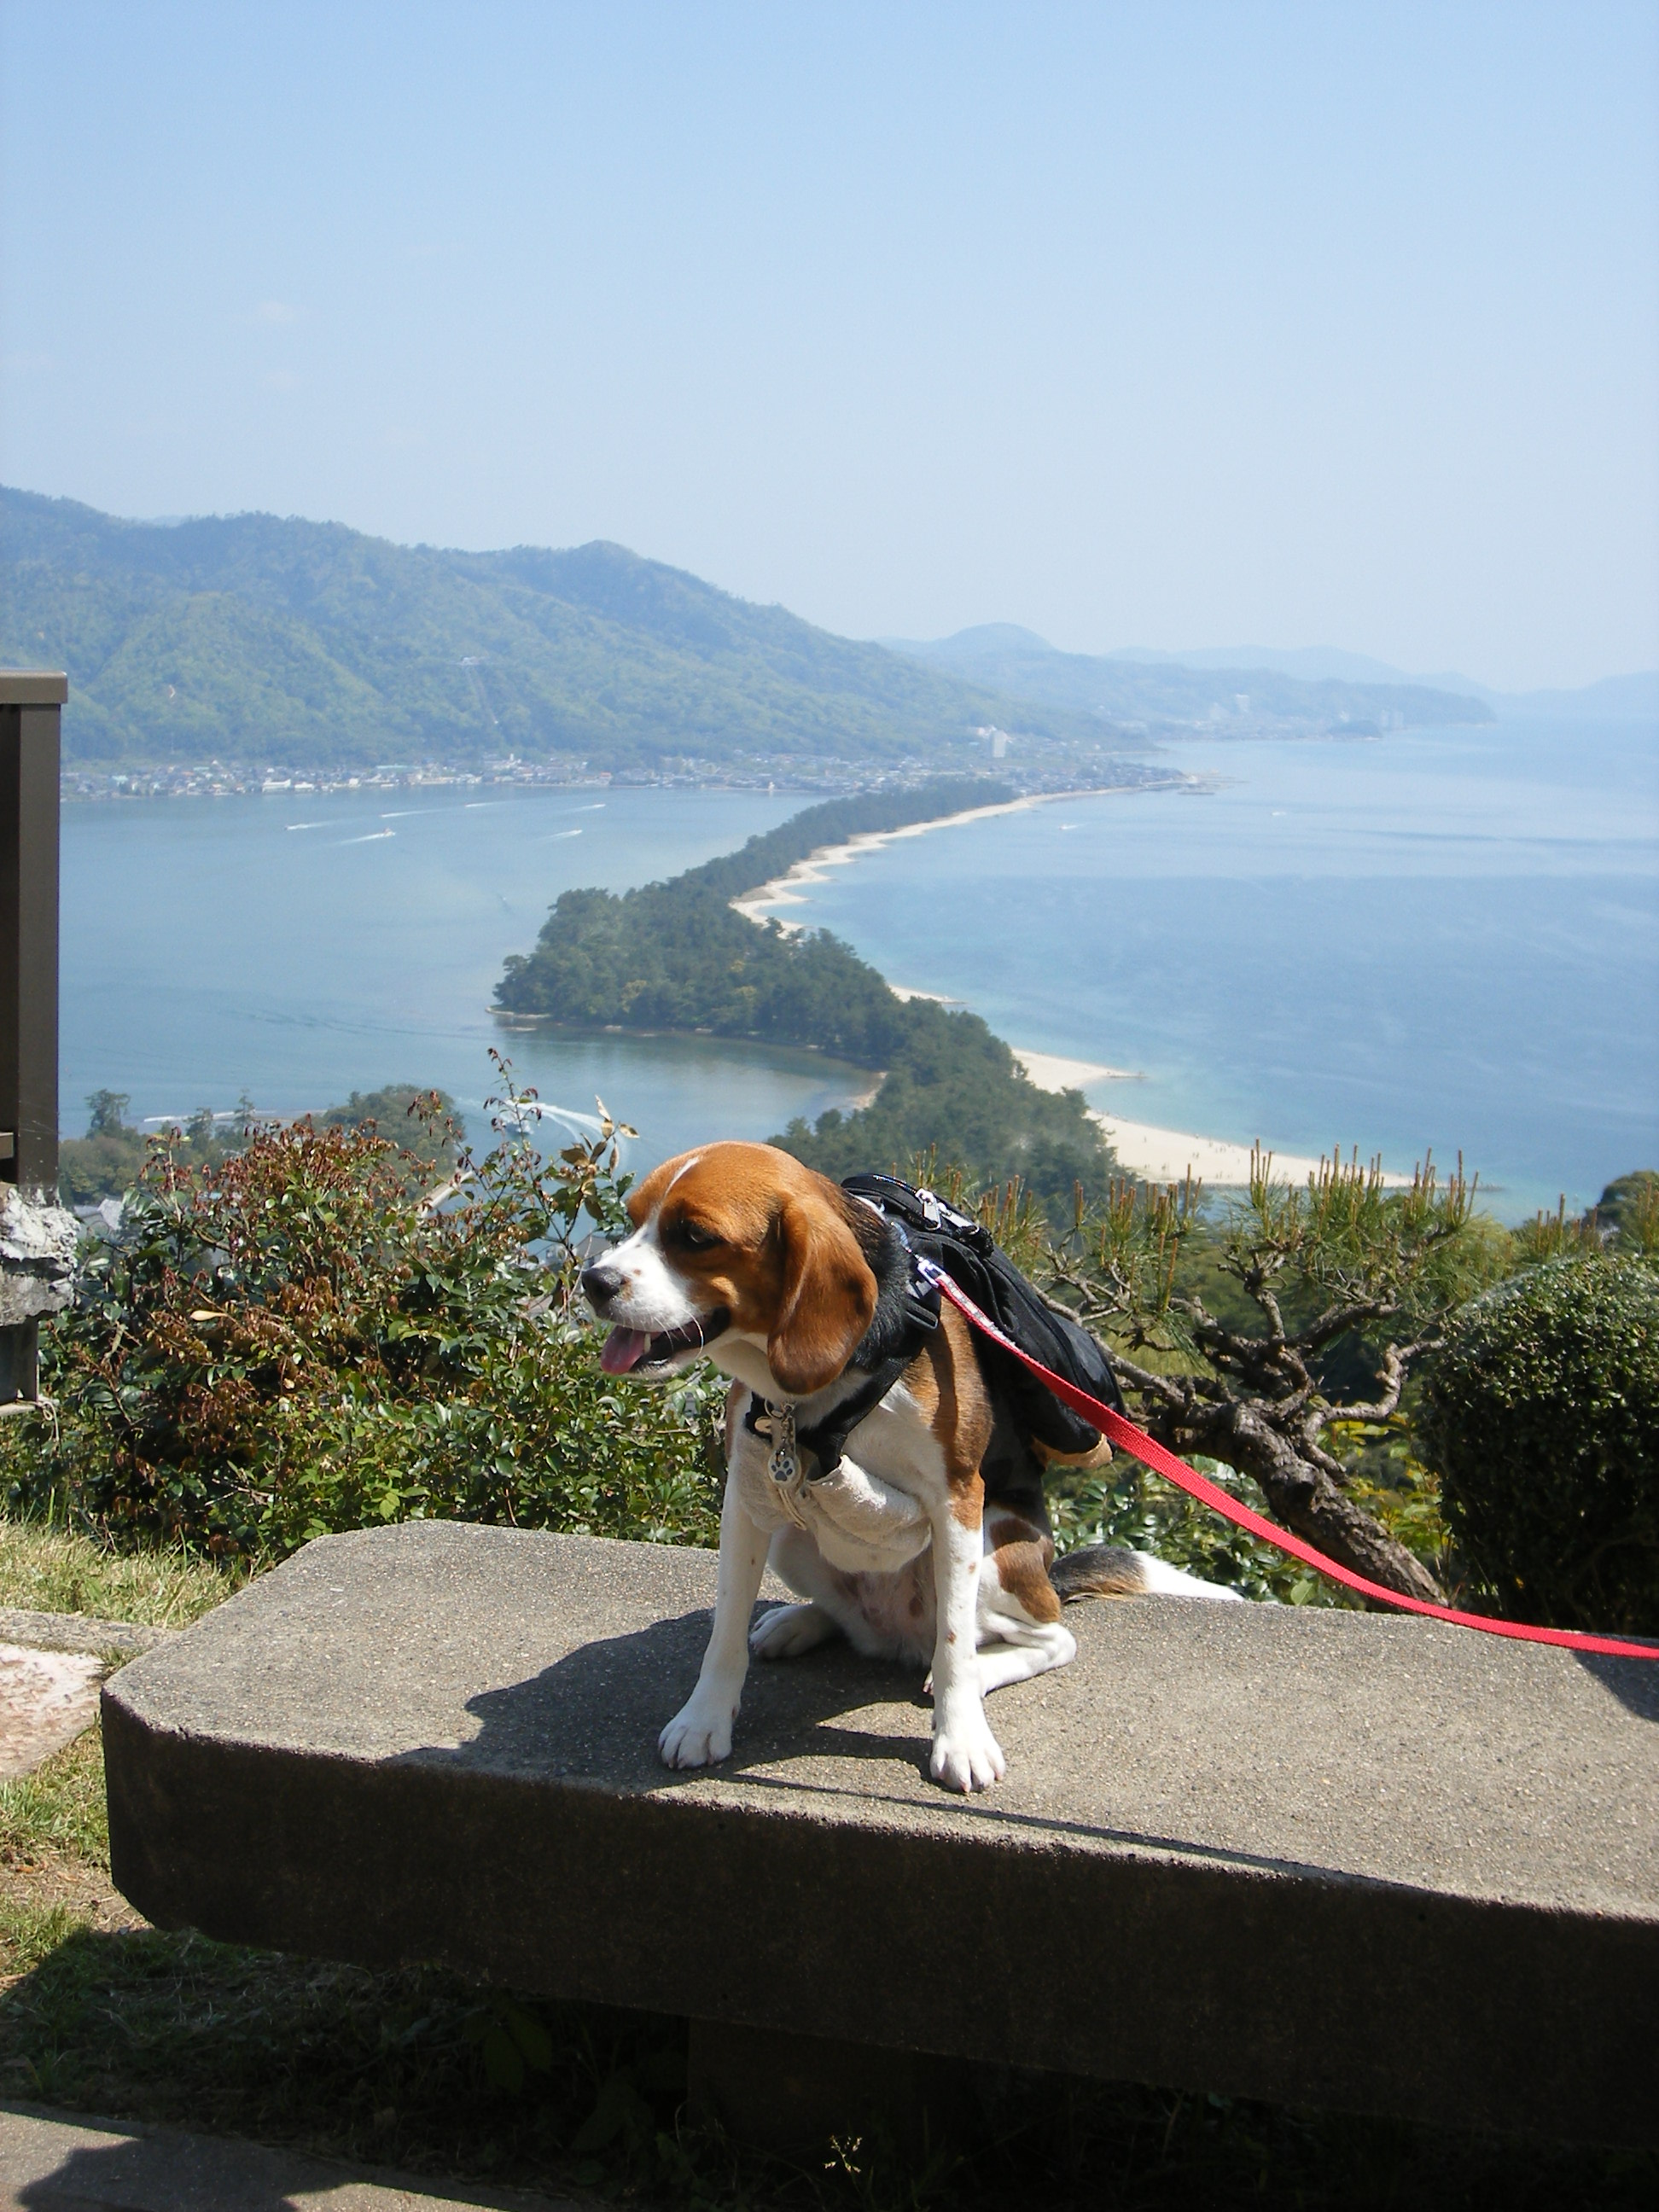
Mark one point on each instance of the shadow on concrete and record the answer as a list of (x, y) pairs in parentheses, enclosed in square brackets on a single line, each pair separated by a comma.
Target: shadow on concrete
[(166, 2171), (1634, 1682), (594, 1717), (112, 2176), (128, 2177), (595, 1714)]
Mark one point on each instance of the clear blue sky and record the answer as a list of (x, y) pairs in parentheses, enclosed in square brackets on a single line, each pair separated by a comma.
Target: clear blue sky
[(1165, 324)]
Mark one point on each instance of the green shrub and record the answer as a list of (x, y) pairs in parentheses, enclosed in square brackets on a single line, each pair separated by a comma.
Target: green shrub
[(1542, 1417), (106, 1161), (312, 1335), (404, 1111)]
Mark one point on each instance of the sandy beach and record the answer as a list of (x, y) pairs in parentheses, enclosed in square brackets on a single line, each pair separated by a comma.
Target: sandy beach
[(1050, 1073), (1163, 1155), (1167, 1155)]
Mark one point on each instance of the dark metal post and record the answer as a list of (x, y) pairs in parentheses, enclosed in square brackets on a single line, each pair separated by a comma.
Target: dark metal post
[(31, 703)]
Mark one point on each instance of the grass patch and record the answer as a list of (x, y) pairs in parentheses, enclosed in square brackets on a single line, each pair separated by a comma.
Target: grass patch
[(31, 1932), (54, 1858), (383, 2067), (59, 1808), (47, 1570)]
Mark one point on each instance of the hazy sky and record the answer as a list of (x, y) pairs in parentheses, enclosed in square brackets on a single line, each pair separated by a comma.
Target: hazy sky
[(1162, 324)]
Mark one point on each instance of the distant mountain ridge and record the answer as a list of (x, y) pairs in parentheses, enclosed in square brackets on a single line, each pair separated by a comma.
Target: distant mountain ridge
[(252, 638), (1312, 663), (1615, 698), (992, 644), (1170, 693)]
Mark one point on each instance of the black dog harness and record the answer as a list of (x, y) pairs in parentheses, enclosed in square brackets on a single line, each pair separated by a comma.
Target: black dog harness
[(919, 1224), (887, 1348)]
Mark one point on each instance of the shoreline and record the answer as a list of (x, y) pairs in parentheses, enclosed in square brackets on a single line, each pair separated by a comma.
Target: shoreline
[(1160, 1155), (782, 891), (1144, 1149), (1049, 1071)]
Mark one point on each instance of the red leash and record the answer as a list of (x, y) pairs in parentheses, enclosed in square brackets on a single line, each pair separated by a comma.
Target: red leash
[(1131, 1440)]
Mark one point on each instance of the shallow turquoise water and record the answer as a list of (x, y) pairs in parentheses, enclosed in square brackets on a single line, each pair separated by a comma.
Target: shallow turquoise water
[(1446, 938)]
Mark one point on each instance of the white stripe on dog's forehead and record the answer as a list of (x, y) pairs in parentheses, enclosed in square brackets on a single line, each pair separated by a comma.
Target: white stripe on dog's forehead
[(685, 1168)]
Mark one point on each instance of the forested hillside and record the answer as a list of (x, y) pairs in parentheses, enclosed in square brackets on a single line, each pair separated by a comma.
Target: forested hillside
[(675, 955), (252, 638)]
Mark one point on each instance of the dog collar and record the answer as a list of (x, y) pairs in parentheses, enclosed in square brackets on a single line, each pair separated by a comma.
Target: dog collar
[(826, 1440)]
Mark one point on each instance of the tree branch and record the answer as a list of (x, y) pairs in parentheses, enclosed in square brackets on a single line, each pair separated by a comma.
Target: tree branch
[(1166, 1387), (1305, 1498), (1396, 1365), (1339, 1320)]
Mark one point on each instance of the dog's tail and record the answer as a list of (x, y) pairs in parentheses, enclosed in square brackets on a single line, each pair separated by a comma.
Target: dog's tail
[(1112, 1570)]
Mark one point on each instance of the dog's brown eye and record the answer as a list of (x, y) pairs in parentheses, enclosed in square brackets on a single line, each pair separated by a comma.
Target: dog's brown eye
[(698, 1238)]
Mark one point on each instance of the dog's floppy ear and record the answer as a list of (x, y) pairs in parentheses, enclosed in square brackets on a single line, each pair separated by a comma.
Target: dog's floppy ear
[(828, 1296)]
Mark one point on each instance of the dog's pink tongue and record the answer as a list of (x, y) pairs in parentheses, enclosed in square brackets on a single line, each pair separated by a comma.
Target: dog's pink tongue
[(623, 1348)]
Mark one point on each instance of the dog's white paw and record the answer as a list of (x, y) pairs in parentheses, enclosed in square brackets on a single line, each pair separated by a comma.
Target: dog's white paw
[(700, 1734), (788, 1630), (966, 1755)]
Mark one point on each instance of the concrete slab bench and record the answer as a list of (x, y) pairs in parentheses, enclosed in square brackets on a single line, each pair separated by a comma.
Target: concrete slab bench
[(1334, 1859)]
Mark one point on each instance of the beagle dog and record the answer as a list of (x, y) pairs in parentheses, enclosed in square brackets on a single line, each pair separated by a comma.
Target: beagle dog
[(929, 1540)]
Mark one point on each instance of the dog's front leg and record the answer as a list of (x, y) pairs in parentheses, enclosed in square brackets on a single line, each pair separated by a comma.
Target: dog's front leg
[(700, 1734), (966, 1755)]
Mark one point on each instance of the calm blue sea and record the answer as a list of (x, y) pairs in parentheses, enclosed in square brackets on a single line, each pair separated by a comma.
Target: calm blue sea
[(1445, 939), (299, 947)]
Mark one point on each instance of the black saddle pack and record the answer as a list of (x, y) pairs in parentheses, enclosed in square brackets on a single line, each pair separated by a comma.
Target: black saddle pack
[(969, 1254)]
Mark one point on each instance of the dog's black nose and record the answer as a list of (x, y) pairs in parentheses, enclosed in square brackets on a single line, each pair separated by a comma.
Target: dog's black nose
[(600, 1283)]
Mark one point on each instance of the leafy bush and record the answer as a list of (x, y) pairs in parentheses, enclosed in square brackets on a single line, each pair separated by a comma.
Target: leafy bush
[(108, 1160), (314, 1334), (1542, 1417), (427, 1121)]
